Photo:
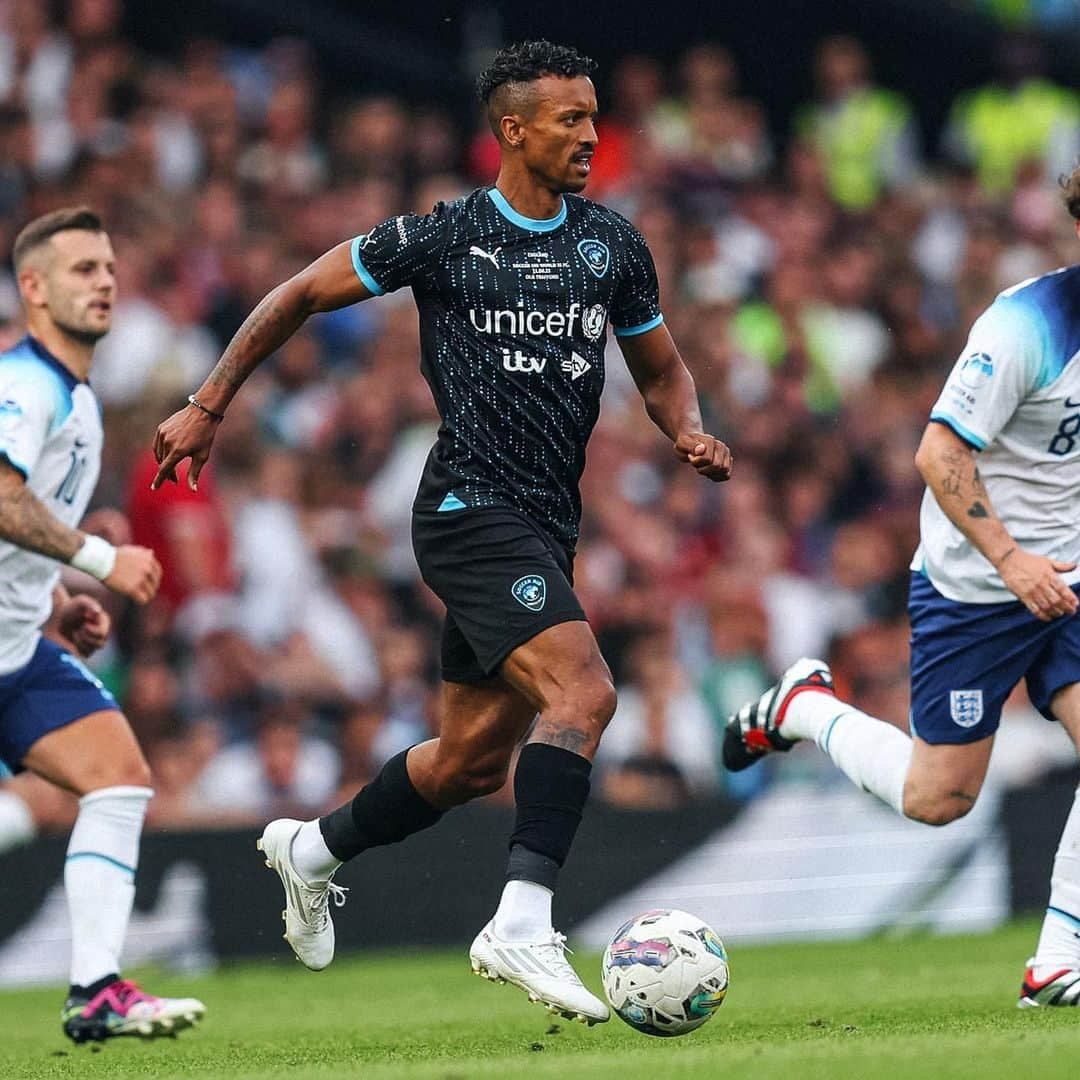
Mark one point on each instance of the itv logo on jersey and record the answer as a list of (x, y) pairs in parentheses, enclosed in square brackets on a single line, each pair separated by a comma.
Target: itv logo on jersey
[(519, 362)]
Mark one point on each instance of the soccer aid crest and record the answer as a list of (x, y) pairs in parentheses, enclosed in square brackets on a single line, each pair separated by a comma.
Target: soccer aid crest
[(976, 370), (596, 255), (530, 591), (966, 707)]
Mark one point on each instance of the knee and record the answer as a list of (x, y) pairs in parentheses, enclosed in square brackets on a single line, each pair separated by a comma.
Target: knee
[(936, 808), (129, 771), (590, 700)]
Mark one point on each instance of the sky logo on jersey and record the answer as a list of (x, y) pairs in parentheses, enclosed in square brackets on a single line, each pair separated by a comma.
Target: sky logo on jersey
[(530, 591), (966, 707), (976, 370), (576, 366), (596, 255)]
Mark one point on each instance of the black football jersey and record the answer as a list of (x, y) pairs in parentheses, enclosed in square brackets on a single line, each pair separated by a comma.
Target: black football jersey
[(513, 321)]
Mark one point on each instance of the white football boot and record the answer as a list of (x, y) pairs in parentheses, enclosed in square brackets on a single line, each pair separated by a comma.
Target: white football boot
[(308, 926), (541, 969)]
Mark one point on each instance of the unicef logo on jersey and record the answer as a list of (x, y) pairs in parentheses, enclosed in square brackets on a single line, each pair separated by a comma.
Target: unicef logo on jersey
[(592, 321), (966, 707), (530, 591), (596, 255), (976, 370)]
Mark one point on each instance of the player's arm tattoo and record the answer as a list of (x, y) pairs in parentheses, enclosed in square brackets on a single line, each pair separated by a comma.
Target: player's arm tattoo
[(961, 480), (26, 523), (274, 320)]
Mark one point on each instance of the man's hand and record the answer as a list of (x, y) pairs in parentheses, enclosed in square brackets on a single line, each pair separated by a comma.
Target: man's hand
[(1035, 580), (187, 433), (707, 454), (137, 573), (84, 624)]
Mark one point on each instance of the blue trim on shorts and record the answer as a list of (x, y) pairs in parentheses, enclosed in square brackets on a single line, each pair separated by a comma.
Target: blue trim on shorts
[(51, 691)]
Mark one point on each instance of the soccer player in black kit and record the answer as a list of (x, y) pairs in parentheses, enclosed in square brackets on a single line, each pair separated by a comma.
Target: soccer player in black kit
[(515, 286)]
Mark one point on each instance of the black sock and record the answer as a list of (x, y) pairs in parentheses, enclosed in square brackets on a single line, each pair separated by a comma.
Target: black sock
[(551, 786), (85, 993), (383, 812)]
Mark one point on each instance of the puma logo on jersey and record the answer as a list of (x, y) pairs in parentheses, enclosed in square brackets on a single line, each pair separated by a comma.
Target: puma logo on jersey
[(492, 255)]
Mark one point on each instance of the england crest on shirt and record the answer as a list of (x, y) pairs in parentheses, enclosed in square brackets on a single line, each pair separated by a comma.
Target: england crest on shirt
[(966, 707)]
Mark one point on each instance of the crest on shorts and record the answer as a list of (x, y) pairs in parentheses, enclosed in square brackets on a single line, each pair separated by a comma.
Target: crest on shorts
[(530, 591), (596, 255), (966, 707)]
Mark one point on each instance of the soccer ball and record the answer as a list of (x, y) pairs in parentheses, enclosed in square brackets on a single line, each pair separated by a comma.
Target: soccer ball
[(665, 972)]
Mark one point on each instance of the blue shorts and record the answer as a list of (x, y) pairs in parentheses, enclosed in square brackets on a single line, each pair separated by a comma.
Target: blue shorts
[(53, 690), (966, 659)]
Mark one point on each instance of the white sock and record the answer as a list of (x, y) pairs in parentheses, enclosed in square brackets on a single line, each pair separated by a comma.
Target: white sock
[(310, 855), (1059, 942), (99, 877), (874, 755), (524, 912), (16, 822)]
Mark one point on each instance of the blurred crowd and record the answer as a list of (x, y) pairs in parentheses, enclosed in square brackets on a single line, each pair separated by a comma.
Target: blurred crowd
[(819, 279)]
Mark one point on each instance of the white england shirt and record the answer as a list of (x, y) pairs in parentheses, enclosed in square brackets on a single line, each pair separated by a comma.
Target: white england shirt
[(1014, 395), (50, 431)]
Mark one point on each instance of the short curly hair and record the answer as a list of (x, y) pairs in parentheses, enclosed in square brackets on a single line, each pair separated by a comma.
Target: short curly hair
[(526, 61), (1070, 192)]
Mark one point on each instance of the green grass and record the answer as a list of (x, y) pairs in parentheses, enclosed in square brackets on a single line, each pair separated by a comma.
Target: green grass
[(918, 1007)]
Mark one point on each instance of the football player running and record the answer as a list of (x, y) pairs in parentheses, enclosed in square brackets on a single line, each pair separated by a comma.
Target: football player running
[(56, 718), (515, 286), (993, 596)]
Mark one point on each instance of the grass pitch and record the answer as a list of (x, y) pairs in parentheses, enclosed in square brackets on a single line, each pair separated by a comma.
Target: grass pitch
[(917, 1007)]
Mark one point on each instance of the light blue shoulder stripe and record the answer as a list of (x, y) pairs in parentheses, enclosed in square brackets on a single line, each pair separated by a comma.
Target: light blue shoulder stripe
[(532, 224), (370, 283), (24, 364), (967, 436), (644, 328)]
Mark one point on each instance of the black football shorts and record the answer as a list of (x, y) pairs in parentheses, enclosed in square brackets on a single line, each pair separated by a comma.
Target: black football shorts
[(502, 578)]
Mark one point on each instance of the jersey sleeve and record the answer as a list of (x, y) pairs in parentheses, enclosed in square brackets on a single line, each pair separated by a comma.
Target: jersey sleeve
[(636, 306), (27, 412), (398, 251), (1000, 366)]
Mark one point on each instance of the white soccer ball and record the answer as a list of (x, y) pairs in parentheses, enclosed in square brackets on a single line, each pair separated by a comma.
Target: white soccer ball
[(665, 972)]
